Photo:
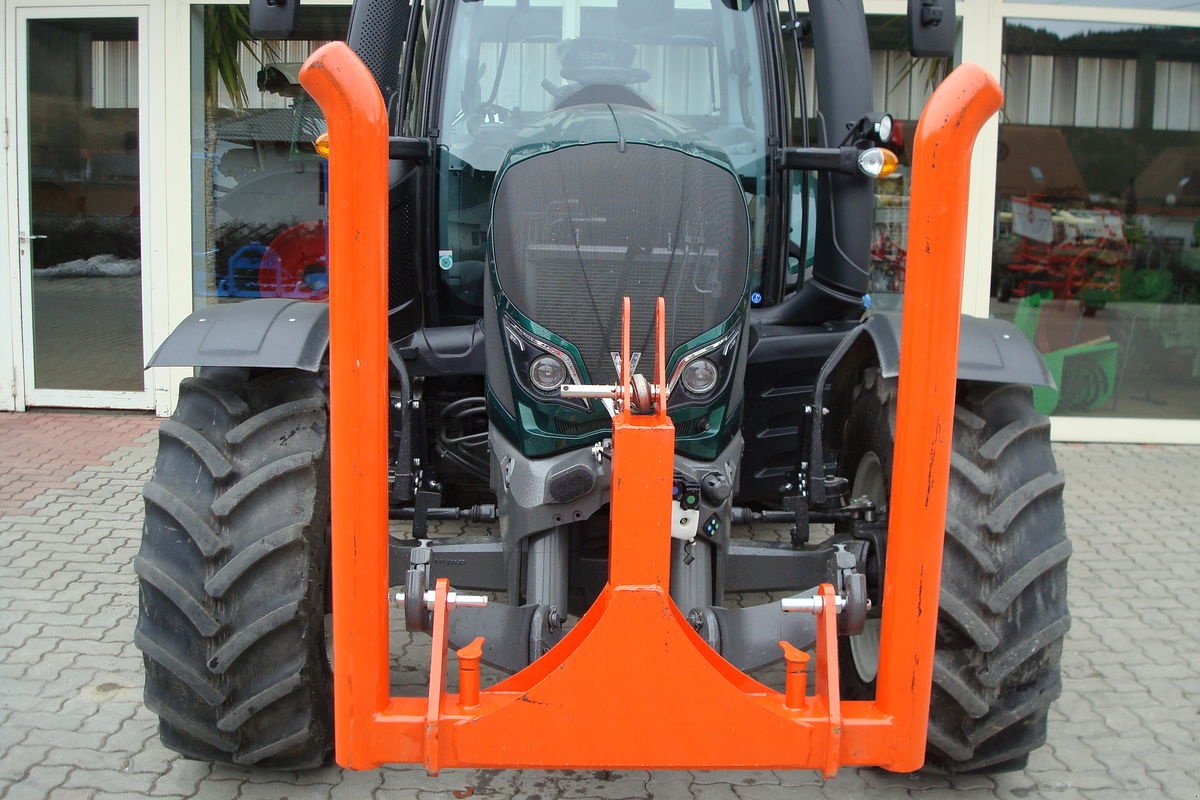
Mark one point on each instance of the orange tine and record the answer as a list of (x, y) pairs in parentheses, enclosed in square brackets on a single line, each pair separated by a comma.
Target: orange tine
[(626, 373), (660, 360)]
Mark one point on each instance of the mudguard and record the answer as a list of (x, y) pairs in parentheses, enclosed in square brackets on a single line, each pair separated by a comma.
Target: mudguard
[(989, 350), (274, 332)]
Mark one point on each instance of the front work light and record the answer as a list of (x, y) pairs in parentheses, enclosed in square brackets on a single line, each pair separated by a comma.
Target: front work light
[(877, 162), (883, 129)]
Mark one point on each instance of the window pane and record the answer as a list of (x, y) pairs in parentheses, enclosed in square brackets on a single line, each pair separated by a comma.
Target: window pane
[(84, 204), (1097, 258), (1161, 5), (258, 185), (902, 86)]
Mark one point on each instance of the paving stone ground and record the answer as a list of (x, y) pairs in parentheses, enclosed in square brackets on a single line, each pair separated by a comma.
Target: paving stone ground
[(72, 723)]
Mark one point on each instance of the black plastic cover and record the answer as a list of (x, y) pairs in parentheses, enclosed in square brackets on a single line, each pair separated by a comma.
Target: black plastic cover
[(273, 19), (932, 28), (989, 350)]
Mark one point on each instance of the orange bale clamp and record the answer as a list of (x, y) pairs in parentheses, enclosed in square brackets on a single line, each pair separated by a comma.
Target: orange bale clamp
[(632, 685)]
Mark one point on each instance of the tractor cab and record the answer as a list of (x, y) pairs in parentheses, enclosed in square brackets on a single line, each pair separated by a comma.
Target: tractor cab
[(462, 80), (509, 67)]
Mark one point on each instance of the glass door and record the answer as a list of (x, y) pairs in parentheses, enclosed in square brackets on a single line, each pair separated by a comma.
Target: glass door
[(80, 123)]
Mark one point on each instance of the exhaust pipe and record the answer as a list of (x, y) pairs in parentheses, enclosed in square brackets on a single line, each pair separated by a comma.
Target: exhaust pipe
[(845, 203)]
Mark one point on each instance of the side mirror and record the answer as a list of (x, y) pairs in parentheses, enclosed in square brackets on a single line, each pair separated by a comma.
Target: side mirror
[(932, 28), (416, 150), (273, 19)]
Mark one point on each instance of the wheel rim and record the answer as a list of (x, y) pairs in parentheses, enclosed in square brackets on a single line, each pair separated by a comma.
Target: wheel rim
[(864, 648)]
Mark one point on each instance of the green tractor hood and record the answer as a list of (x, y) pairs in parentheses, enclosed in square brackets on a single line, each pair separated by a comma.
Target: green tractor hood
[(592, 204)]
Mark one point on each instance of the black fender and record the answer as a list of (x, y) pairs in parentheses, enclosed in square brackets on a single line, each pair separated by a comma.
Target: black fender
[(989, 351), (265, 332)]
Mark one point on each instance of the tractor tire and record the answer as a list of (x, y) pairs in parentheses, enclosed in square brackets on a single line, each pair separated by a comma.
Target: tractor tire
[(233, 569), (1003, 605)]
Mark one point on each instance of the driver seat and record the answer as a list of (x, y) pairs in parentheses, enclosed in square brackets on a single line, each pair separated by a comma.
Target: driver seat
[(603, 70)]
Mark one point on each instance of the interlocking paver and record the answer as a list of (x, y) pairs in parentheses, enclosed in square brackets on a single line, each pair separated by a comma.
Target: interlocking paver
[(72, 724)]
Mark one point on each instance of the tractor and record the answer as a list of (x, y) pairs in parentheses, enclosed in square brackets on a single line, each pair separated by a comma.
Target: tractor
[(596, 285)]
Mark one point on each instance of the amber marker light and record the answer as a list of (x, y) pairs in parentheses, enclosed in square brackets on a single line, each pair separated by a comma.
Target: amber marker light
[(878, 162), (321, 145)]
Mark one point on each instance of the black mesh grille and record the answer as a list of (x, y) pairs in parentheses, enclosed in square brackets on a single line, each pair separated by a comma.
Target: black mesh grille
[(377, 34), (576, 229), (401, 269), (404, 315)]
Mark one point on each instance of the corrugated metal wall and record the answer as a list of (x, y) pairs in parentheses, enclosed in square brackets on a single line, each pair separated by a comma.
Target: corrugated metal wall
[(1069, 91), (1176, 96), (114, 74)]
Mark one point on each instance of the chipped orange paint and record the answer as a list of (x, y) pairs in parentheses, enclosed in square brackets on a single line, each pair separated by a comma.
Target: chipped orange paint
[(632, 685)]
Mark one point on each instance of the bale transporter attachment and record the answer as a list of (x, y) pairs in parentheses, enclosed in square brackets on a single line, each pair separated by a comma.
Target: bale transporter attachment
[(632, 685)]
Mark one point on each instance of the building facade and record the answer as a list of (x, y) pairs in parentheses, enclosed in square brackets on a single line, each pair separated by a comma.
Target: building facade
[(140, 183)]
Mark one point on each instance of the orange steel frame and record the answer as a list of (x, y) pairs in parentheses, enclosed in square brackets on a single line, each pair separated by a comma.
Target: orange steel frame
[(632, 685)]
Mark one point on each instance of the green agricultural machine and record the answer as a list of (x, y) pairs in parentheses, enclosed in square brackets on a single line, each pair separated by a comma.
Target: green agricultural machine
[(546, 159)]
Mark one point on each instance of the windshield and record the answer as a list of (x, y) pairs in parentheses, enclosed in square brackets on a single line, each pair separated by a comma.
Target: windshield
[(510, 62)]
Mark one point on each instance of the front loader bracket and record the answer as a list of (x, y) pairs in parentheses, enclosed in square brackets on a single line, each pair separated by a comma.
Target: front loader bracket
[(621, 689)]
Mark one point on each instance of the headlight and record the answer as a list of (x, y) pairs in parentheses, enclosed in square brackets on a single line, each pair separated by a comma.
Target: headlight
[(700, 376), (540, 367), (547, 373), (700, 373), (877, 162)]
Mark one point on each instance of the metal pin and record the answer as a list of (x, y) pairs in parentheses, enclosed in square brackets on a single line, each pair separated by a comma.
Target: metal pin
[(452, 599), (810, 605)]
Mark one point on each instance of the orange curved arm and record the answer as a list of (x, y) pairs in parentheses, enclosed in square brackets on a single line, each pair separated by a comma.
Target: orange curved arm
[(937, 226), (358, 378)]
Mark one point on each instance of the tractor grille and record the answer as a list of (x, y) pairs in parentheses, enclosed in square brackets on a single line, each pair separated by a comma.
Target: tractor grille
[(576, 229)]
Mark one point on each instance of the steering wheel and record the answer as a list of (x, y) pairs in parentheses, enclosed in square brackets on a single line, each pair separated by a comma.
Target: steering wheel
[(487, 114)]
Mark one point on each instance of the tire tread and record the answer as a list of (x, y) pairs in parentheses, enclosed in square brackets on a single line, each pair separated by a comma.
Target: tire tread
[(1003, 602), (232, 567)]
